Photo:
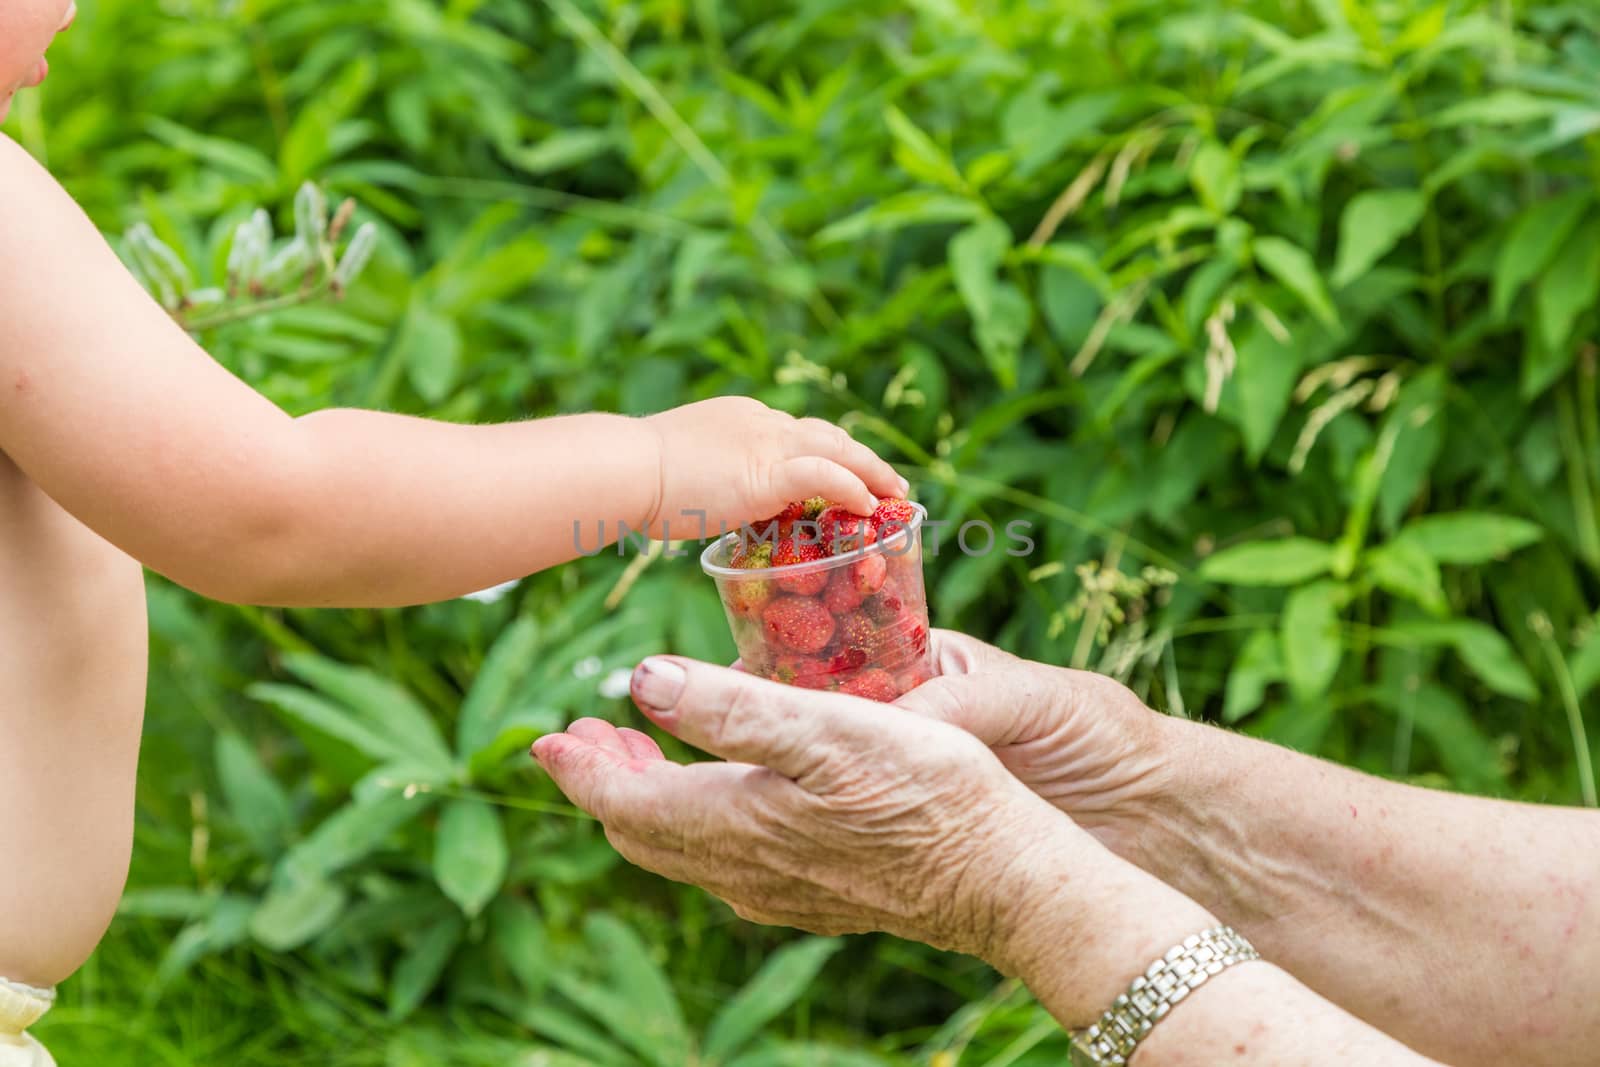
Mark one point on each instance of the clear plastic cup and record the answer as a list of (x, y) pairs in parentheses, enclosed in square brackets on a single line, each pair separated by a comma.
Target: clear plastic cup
[(856, 622)]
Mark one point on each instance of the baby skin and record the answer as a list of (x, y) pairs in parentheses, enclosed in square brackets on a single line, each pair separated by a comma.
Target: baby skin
[(123, 445)]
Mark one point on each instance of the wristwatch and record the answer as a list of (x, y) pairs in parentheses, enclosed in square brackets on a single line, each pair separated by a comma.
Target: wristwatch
[(1185, 967)]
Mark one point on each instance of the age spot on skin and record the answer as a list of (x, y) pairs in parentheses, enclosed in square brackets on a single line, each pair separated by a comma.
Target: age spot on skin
[(23, 382)]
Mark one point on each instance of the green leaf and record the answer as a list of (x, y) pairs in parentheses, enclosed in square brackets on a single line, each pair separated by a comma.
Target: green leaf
[(470, 854), (294, 911), (418, 970), (1289, 561), (561, 150), (976, 253), (914, 208), (1313, 644), (255, 799), (326, 716), (1470, 757), (1504, 107), (1258, 665), (380, 703), (1297, 271), (639, 982), (353, 832), (1584, 665), (1001, 334), (520, 939), (508, 662), (1469, 537), (780, 982), (310, 140), (1571, 285), (429, 347), (1373, 223), (1405, 569), (240, 161), (918, 156), (1257, 394), (1483, 649), (1214, 173), (1532, 243)]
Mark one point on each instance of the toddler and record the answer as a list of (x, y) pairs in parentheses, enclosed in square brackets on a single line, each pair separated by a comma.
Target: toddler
[(122, 443)]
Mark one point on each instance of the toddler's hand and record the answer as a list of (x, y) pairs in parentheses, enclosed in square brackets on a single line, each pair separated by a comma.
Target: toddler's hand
[(737, 460)]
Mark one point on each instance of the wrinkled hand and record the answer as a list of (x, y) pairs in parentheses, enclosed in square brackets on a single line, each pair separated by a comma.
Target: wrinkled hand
[(737, 460), (1080, 740), (838, 814)]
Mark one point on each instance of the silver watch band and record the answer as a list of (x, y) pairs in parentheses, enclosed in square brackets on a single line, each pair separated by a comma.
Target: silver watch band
[(1164, 983)]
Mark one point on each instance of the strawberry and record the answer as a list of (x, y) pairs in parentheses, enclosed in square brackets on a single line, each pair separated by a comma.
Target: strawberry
[(749, 555), (841, 531), (798, 623), (859, 632), (747, 597), (802, 671), (791, 551), (846, 660), (874, 684), (842, 597), (867, 574), (894, 513), (813, 506), (884, 607)]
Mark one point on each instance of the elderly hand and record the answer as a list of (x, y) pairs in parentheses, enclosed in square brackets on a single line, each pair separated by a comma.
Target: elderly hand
[(837, 814), (1080, 740)]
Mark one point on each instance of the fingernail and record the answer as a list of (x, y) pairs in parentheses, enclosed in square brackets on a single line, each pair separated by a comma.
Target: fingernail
[(658, 682)]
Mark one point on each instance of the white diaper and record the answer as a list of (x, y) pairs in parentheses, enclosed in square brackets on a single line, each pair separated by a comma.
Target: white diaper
[(20, 1007)]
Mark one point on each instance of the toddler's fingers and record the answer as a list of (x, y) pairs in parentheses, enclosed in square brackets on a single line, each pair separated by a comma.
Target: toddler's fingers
[(805, 476), (832, 442)]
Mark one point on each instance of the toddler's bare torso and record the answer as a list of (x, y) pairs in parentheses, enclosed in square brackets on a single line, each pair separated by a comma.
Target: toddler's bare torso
[(73, 651)]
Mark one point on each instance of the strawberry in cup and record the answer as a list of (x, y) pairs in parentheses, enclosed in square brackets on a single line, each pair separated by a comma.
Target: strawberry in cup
[(822, 598)]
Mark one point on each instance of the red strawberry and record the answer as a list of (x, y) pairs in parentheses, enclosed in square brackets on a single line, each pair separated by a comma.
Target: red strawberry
[(813, 506), (802, 671), (867, 574), (894, 513), (859, 632), (847, 660), (746, 598), (791, 551), (873, 684), (798, 623), (842, 596), (841, 531)]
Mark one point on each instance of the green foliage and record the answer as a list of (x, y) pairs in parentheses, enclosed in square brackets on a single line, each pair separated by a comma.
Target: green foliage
[(1295, 302)]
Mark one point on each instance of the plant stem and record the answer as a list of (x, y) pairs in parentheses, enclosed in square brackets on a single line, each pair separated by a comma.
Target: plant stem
[(1585, 518), (240, 312), (1569, 699)]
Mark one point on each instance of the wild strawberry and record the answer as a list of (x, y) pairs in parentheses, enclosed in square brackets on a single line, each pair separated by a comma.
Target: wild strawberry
[(867, 574), (859, 632), (874, 684), (802, 671), (893, 513), (841, 596), (883, 608), (846, 660), (811, 507), (798, 623), (746, 598), (791, 551), (840, 530), (750, 555)]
